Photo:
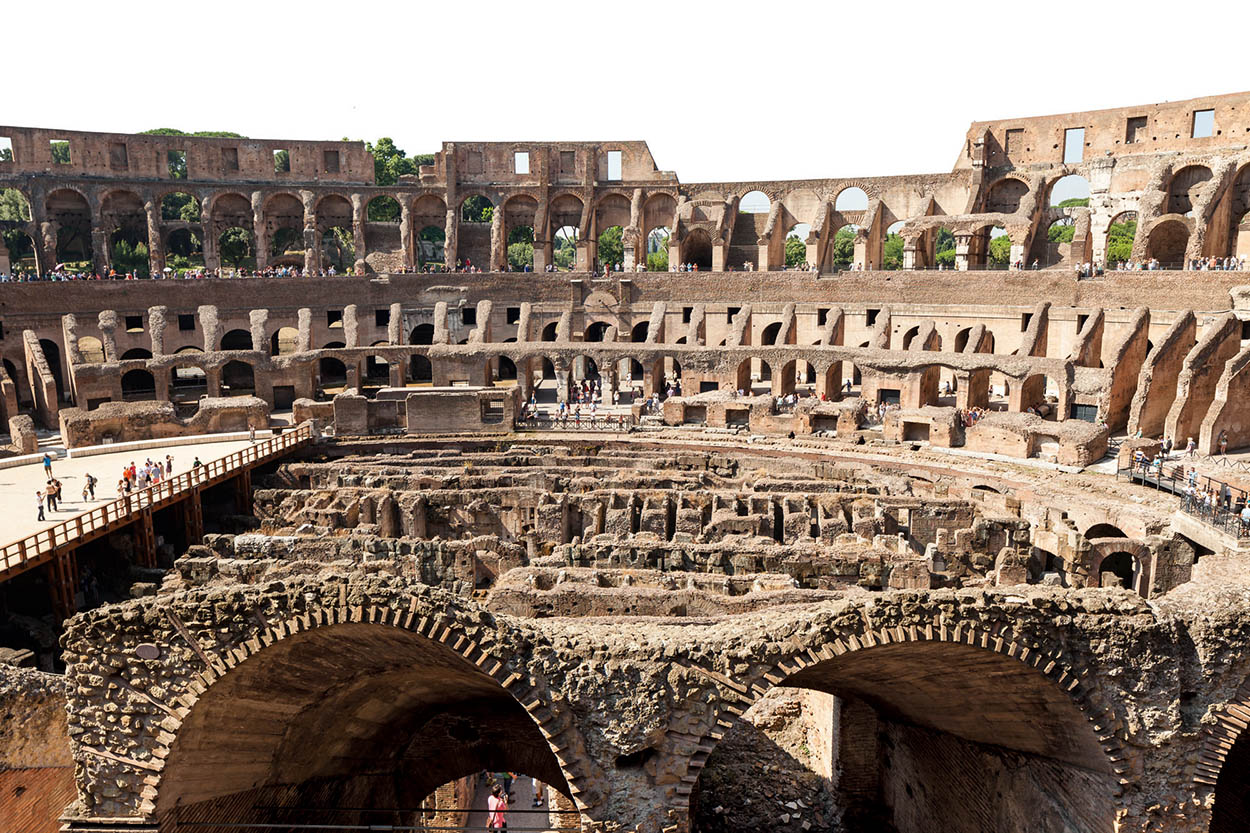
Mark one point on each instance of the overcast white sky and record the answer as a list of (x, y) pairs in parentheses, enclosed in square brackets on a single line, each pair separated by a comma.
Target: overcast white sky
[(720, 91)]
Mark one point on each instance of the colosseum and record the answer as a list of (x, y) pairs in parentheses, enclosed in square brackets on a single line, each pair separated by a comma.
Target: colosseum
[(885, 503)]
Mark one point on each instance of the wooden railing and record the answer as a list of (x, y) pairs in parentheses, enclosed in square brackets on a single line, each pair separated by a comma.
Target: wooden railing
[(33, 550)]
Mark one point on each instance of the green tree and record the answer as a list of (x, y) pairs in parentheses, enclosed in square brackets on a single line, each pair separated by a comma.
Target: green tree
[(434, 237), (131, 258), (60, 153), (282, 162), (6, 154), (477, 209), (796, 251), (1075, 202), (1061, 232), (657, 261), (177, 164), (520, 255), (892, 252), (1000, 250), (1120, 241), (384, 210), (611, 246), (945, 247), (203, 134), (844, 248), (390, 162), (565, 253), (236, 247)]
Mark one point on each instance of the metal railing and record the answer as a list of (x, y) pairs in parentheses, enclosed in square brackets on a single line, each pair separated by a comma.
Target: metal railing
[(34, 549), (1222, 511)]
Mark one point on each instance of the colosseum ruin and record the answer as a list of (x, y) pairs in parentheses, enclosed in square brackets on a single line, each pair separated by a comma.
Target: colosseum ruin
[(885, 503)]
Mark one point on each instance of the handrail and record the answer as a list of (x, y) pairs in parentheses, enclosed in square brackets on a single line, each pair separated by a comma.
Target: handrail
[(39, 544)]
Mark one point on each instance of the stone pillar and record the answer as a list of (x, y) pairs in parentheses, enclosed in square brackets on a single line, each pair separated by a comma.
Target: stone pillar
[(156, 329), (720, 250), (303, 326), (405, 233), (212, 257), (359, 217), (108, 330), (395, 325), (963, 242), (258, 320), (260, 232), (156, 246), (99, 248), (312, 246), (351, 326), (450, 241), (498, 244)]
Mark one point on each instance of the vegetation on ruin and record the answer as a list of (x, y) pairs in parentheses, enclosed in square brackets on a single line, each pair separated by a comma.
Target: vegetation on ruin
[(476, 209), (796, 251), (521, 247), (1120, 241), (612, 246)]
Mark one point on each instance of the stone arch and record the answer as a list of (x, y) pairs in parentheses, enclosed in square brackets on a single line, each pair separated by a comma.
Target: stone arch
[(433, 648), (1005, 195), (1043, 707), (851, 198), (1223, 763), (138, 385), (697, 249), (383, 208), (422, 334), (236, 340), (1184, 188), (754, 202), (90, 349), (1167, 241), (70, 212), (238, 379)]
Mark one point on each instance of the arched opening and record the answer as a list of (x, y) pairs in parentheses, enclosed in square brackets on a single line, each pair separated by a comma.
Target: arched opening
[(473, 242), (236, 340), (383, 209), (638, 334), (377, 372), (1118, 569), (138, 385), (610, 248), (892, 247), (657, 249), (1071, 191), (564, 248), (123, 215), (1120, 235), (238, 379), (422, 334), (71, 217), (429, 219), (237, 248), (1167, 243), (136, 353), (1231, 812), (283, 341), (696, 249), (187, 383), (910, 336), (1039, 394), (597, 331), (91, 349), (52, 353), (506, 371), (770, 333), (183, 250), (843, 380), (179, 207), (796, 245), (332, 375), (851, 199), (420, 370), (752, 377), (1104, 530), (335, 227), (284, 229), (1005, 195), (391, 714), (1185, 188), (895, 733), (519, 215), (755, 202), (430, 242), (844, 247), (549, 331)]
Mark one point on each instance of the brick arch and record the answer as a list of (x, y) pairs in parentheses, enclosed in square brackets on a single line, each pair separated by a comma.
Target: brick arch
[(435, 623), (1219, 735), (738, 695)]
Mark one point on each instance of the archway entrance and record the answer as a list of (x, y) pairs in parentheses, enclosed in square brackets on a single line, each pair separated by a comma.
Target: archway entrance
[(1028, 756), (371, 720)]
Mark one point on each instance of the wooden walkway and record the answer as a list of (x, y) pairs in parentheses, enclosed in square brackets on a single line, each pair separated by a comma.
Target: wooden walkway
[(44, 547)]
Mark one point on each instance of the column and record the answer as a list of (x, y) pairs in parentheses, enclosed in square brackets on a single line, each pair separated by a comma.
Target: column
[(156, 246), (358, 228), (405, 232), (312, 245), (212, 258), (963, 242), (99, 247), (450, 239), (259, 230), (498, 245)]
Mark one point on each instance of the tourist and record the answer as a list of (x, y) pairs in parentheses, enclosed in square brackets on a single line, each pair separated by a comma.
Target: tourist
[(496, 805), (47, 466), (91, 481), (169, 464), (39, 502), (1223, 441), (538, 792), (251, 433), (195, 464), (1189, 447)]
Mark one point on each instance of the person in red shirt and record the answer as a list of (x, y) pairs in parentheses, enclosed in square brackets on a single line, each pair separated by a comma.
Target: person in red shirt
[(496, 805)]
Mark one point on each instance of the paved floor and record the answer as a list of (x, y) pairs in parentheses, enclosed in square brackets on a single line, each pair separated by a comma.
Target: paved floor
[(522, 799), (19, 484)]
